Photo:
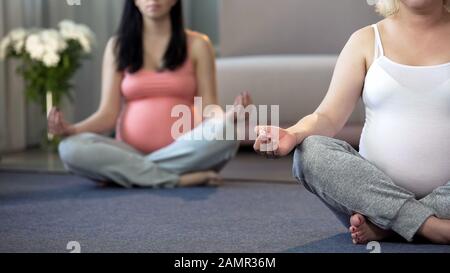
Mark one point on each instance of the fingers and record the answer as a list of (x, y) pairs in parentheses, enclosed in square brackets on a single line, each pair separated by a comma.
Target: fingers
[(247, 98), (243, 99), (58, 119), (265, 145), (257, 145), (51, 120), (265, 130), (51, 115), (52, 111), (260, 141), (238, 100), (269, 146), (260, 129), (56, 123)]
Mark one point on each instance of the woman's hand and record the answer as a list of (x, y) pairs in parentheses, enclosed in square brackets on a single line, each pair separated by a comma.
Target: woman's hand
[(274, 142), (240, 103), (57, 125), (244, 99)]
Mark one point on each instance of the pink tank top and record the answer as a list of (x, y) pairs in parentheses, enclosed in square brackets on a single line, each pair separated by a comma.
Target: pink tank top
[(145, 122)]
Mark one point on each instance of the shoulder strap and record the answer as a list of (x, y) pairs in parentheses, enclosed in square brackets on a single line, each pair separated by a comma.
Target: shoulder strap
[(379, 51)]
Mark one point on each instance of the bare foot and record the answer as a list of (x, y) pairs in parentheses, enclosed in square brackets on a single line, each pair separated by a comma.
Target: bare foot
[(208, 178), (363, 231), (104, 183), (436, 230)]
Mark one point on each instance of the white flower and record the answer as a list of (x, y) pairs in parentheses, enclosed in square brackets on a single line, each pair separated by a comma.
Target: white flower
[(18, 46), (17, 34), (66, 24), (79, 33), (85, 44), (35, 47), (51, 59), (16, 40), (53, 41), (4, 44), (45, 46)]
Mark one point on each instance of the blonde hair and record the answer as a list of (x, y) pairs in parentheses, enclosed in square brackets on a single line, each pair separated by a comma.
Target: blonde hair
[(390, 7)]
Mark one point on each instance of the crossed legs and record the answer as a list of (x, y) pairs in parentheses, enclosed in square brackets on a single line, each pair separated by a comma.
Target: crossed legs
[(353, 187)]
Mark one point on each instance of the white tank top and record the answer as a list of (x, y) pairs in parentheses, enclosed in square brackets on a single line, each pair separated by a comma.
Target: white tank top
[(407, 127)]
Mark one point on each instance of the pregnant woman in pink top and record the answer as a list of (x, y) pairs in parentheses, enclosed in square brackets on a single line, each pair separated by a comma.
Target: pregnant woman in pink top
[(151, 66)]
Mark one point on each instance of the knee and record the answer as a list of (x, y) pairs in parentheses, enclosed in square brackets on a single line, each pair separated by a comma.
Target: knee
[(73, 150), (308, 157)]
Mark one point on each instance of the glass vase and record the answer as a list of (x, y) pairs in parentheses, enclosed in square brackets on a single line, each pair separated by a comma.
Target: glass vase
[(49, 142)]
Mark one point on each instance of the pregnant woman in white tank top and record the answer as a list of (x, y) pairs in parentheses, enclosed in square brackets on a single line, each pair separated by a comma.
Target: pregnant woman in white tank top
[(399, 181), (407, 128)]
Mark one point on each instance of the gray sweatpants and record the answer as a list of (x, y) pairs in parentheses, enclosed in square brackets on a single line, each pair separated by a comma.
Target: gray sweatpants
[(347, 183), (105, 159)]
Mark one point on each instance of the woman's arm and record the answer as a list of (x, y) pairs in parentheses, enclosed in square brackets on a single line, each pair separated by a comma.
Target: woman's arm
[(104, 119), (202, 52), (205, 65), (343, 94)]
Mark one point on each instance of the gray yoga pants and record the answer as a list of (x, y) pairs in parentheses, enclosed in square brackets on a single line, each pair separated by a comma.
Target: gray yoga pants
[(347, 183), (102, 158)]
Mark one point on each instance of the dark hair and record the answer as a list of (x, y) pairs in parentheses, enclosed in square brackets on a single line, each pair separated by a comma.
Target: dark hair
[(129, 44)]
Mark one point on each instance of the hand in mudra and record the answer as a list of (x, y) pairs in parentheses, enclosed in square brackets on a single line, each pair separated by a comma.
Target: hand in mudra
[(274, 142), (57, 125), (240, 103)]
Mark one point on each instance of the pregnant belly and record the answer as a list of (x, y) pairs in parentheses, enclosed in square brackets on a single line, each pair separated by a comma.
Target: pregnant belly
[(146, 124), (416, 156)]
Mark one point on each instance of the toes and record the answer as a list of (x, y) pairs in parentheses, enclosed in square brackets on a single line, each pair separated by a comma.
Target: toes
[(359, 238), (354, 221), (361, 219), (357, 220), (360, 234), (362, 240)]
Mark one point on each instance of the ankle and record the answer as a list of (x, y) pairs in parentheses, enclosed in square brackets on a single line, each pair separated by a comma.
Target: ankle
[(436, 230), (428, 227)]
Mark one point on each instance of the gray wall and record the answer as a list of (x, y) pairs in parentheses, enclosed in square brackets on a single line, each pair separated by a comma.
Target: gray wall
[(204, 18), (236, 27), (20, 122), (258, 27)]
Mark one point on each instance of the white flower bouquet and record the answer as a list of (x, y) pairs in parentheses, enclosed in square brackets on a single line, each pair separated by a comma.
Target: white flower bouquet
[(48, 59)]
